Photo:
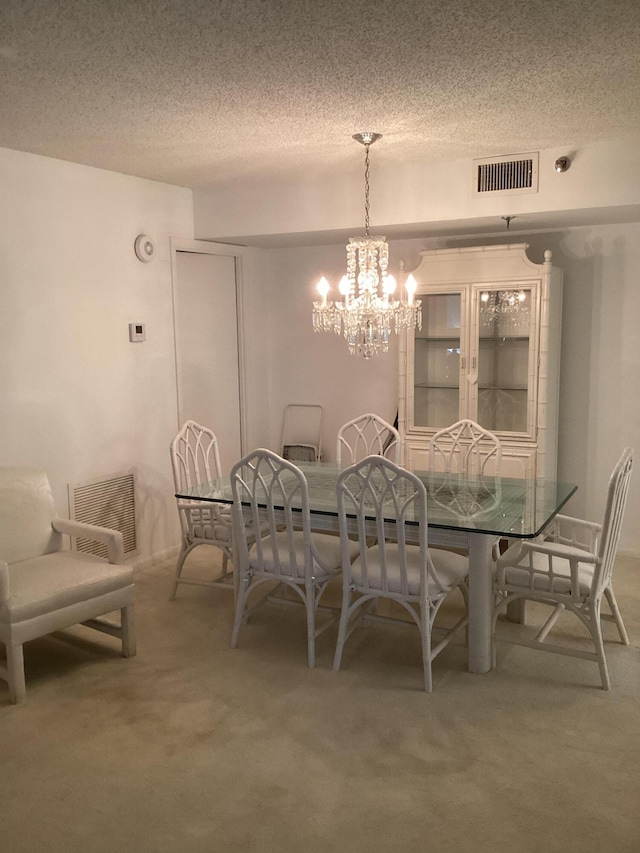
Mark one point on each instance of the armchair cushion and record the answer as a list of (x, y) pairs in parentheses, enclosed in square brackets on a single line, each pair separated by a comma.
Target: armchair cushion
[(48, 583)]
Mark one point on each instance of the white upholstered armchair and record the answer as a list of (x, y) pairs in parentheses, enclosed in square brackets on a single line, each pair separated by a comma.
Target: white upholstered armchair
[(44, 588)]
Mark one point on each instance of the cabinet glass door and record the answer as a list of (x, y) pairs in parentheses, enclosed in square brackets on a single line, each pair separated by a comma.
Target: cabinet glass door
[(436, 376), (504, 318)]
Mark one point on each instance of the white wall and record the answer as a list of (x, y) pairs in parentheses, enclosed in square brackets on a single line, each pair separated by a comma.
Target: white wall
[(600, 406), (78, 399), (306, 367), (602, 176)]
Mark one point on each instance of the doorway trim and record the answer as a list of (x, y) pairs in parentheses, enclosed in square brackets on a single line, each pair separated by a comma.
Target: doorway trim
[(204, 247)]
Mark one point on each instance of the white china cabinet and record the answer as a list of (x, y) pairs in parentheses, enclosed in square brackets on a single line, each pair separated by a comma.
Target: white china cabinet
[(489, 350)]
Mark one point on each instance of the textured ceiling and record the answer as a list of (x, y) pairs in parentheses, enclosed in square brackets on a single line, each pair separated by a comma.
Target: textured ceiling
[(194, 91)]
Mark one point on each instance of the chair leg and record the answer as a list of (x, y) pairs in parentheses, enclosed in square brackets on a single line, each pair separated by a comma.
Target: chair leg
[(311, 626), (425, 630), (243, 592), (342, 628), (225, 563), (15, 673), (128, 628), (596, 633), (617, 618), (183, 556)]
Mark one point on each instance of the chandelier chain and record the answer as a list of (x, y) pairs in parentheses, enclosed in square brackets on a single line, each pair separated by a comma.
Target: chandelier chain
[(366, 191)]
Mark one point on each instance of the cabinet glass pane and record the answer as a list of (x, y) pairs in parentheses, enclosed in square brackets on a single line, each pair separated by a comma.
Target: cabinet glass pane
[(436, 398), (503, 358)]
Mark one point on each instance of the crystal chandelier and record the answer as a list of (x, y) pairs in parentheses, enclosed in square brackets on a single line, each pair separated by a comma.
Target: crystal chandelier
[(504, 303), (367, 313)]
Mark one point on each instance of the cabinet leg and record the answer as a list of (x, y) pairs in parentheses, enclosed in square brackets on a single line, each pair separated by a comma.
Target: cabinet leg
[(516, 611)]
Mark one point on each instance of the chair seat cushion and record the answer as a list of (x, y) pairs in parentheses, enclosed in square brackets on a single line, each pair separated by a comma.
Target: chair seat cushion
[(541, 580), (450, 567), (327, 549), (48, 583)]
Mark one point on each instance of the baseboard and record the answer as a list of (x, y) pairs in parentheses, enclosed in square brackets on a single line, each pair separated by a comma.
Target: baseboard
[(631, 554), (147, 561)]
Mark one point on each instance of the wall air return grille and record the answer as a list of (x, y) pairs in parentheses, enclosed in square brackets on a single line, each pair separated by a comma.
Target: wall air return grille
[(110, 503), (515, 173)]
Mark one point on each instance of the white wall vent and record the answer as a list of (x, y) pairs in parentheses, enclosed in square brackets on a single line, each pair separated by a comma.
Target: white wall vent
[(510, 175), (109, 502)]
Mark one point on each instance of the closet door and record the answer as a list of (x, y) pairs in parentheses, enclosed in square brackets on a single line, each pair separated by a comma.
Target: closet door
[(207, 363)]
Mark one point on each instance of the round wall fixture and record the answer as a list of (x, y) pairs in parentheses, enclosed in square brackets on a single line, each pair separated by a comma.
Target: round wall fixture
[(562, 164), (145, 247)]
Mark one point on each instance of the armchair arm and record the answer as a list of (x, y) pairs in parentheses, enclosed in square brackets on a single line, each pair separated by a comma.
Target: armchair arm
[(559, 549), (220, 513), (4, 581), (522, 557), (574, 532), (111, 538)]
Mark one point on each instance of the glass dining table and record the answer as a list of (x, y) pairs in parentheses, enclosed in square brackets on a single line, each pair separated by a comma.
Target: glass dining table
[(469, 512)]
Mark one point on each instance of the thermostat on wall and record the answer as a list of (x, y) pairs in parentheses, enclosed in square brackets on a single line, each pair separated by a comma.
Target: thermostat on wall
[(137, 332)]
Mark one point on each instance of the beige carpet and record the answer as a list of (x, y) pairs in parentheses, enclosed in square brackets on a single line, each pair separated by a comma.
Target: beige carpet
[(192, 746)]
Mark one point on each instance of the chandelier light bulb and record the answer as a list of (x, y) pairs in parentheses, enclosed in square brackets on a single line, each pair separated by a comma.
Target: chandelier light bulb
[(410, 285), (323, 289)]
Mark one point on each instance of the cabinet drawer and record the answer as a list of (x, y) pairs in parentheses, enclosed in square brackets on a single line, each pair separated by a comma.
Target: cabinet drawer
[(518, 462)]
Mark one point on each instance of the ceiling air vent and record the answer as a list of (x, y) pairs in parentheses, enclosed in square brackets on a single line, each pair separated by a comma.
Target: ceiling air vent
[(515, 173)]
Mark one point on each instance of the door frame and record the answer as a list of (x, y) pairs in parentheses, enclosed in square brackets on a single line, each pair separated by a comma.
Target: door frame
[(204, 247)]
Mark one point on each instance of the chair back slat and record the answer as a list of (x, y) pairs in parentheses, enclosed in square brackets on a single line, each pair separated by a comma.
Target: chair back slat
[(366, 435), (617, 493), (195, 456), (465, 448)]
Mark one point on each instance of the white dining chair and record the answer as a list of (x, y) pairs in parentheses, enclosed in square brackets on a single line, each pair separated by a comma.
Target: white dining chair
[(271, 494), (195, 459), (465, 447), (571, 570), (365, 435), (379, 497)]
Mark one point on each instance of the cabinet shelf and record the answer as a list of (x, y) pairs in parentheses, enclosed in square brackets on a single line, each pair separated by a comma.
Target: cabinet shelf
[(499, 339), (502, 388), (493, 339), (436, 386)]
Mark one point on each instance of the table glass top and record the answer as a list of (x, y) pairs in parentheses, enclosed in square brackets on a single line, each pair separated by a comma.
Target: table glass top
[(499, 505)]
